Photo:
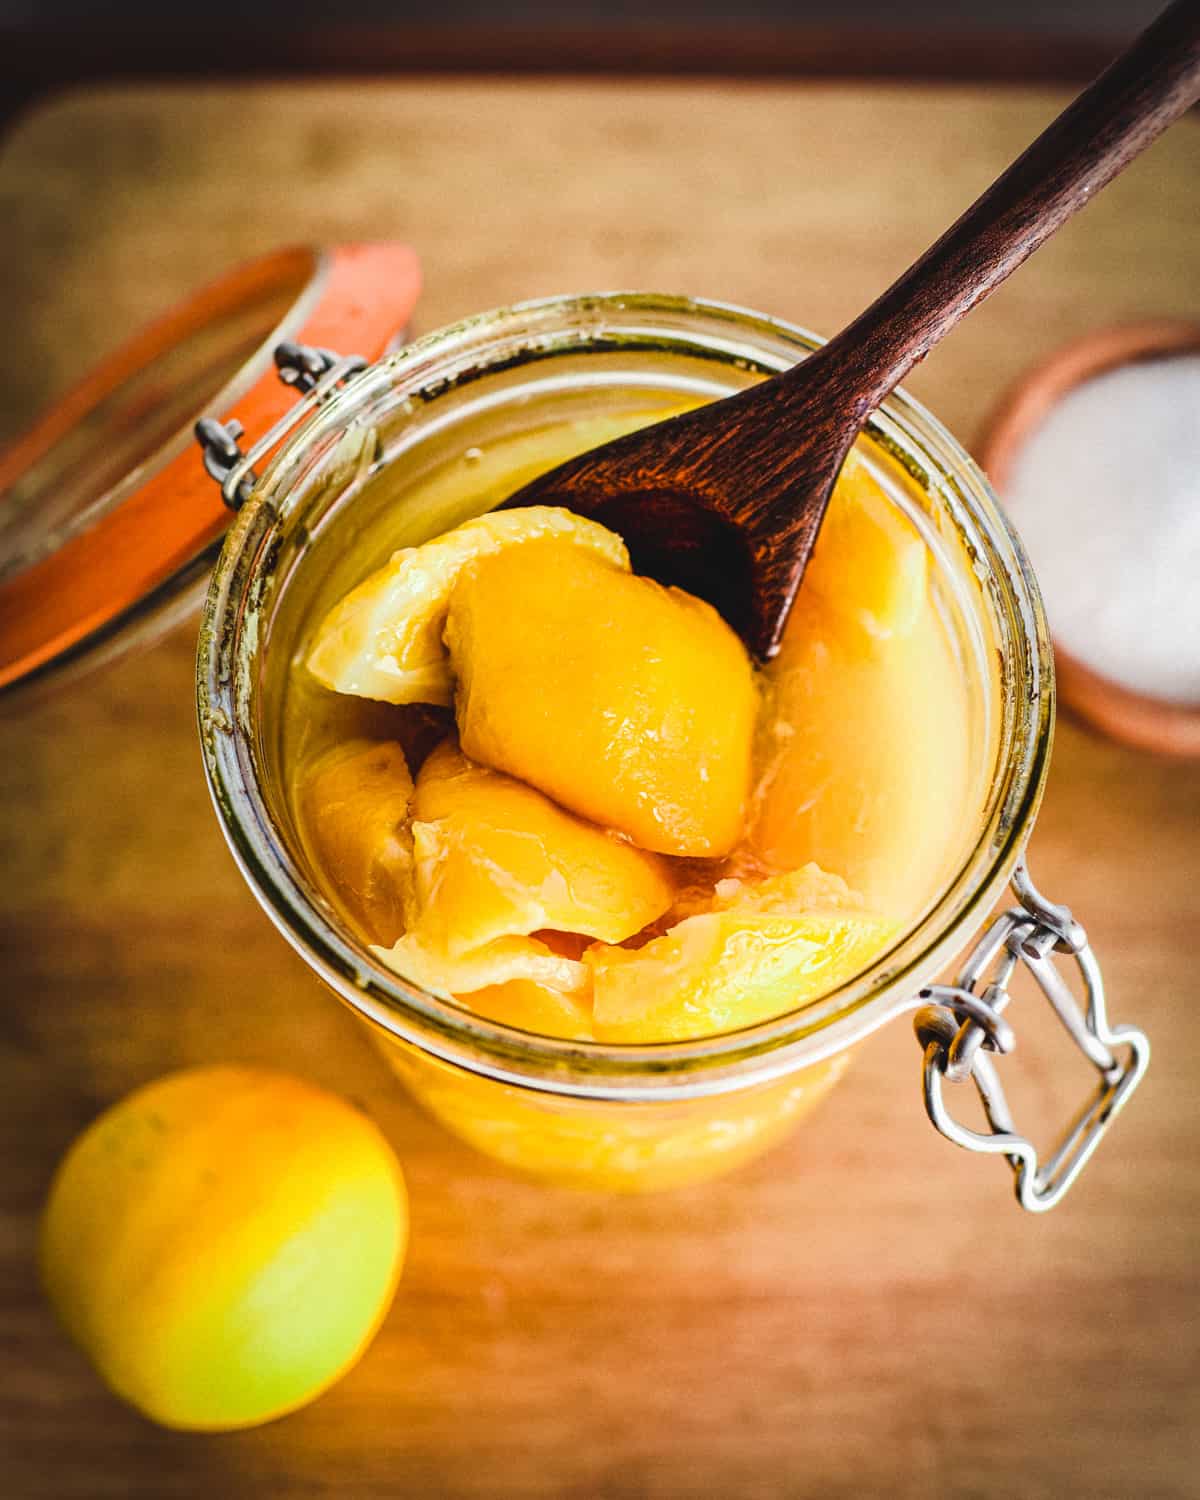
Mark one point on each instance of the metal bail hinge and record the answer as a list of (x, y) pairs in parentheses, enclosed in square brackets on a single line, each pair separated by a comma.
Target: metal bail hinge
[(963, 1025), (301, 366), (222, 455), (316, 373)]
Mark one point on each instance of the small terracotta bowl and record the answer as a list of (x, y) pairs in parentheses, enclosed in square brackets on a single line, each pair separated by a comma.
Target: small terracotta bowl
[(1135, 718)]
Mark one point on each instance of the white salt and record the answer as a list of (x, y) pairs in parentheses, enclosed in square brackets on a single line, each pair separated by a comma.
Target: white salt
[(1106, 496)]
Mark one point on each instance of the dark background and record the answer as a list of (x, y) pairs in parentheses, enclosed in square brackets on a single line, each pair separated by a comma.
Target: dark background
[(1089, 17), (48, 45), (49, 38)]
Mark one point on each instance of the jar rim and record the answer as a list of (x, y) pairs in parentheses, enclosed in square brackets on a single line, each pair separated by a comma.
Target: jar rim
[(705, 1065)]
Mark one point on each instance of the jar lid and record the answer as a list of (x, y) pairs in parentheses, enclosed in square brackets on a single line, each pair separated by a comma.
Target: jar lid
[(107, 515)]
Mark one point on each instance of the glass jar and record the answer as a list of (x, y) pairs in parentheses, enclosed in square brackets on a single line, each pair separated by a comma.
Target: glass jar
[(634, 1117)]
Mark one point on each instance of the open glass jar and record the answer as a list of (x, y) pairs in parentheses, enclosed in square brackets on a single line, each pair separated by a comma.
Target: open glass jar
[(331, 505)]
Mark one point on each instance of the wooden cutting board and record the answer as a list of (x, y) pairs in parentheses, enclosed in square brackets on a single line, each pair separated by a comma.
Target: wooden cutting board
[(865, 1311)]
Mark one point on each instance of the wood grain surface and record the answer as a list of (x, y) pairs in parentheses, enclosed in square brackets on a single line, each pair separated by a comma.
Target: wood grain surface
[(865, 1311)]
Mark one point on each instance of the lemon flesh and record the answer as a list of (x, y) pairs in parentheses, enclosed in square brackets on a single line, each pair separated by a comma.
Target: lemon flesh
[(496, 963), (762, 950), (353, 806), (631, 704), (384, 639), (495, 858)]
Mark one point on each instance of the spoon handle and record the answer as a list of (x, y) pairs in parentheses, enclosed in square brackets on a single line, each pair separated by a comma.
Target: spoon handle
[(1149, 85)]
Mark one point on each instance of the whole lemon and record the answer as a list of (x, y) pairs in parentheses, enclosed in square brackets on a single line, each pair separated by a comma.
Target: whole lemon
[(224, 1243)]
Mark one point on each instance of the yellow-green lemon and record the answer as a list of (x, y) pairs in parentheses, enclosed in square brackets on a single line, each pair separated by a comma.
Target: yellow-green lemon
[(224, 1243)]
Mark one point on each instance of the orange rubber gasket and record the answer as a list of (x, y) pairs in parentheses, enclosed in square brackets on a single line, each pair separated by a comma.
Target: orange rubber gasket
[(360, 295)]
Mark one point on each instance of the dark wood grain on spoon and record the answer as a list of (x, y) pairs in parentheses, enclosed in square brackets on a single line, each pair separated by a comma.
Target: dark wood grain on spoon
[(727, 500)]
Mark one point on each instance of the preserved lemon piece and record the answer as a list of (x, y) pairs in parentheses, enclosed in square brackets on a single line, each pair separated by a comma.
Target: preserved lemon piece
[(494, 857), (496, 963), (869, 561), (631, 704), (762, 950), (224, 1243), (808, 889), (384, 639), (864, 755), (353, 806), (535, 1007)]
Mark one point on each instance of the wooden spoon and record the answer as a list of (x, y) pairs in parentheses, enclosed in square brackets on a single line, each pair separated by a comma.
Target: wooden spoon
[(726, 500)]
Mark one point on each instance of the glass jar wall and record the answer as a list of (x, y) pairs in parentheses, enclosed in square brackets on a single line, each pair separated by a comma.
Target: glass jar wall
[(446, 430)]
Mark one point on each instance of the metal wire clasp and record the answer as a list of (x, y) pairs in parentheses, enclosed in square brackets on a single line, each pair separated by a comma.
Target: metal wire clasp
[(962, 1025), (317, 373)]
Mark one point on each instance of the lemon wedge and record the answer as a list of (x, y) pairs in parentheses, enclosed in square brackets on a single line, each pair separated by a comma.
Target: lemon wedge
[(353, 807), (495, 858), (384, 639), (495, 963), (534, 1007), (761, 951), (631, 704), (870, 562)]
